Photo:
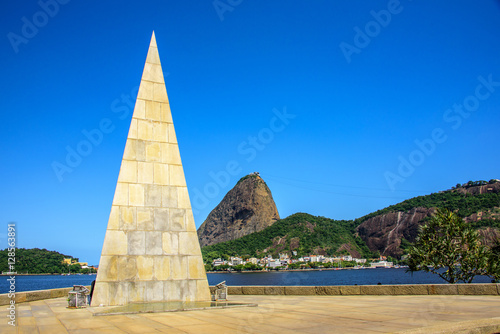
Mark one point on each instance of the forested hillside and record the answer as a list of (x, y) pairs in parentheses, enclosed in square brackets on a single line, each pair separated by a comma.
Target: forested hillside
[(463, 203), (390, 230), (301, 232), (385, 232), (39, 261)]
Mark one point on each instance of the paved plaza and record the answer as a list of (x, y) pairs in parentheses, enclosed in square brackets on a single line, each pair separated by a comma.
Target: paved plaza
[(276, 314)]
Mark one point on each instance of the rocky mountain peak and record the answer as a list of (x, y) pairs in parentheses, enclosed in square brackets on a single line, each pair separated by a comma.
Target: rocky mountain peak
[(247, 208)]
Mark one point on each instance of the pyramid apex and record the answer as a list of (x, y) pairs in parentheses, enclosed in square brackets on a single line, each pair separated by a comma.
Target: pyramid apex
[(153, 40)]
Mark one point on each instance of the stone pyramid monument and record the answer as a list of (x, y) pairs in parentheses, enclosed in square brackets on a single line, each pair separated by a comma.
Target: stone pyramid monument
[(151, 251)]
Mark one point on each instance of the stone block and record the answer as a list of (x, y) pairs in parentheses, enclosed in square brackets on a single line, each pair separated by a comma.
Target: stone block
[(154, 291), (136, 194), (153, 195), (145, 265), (118, 293), (137, 291), (153, 243), (132, 132), (153, 57), (115, 243), (377, 290), (183, 198), (128, 218), (172, 290), (145, 172), (169, 197), (233, 290), (162, 268), (161, 219), (274, 290), (108, 269), (57, 293), (186, 287), (114, 218), (153, 152), (5, 300), (121, 194), (153, 113), (177, 176), (146, 91), (152, 72), (349, 290), (178, 267), (140, 147), (411, 290), (101, 293), (196, 268), (299, 290), (166, 243), (328, 290), (37, 295), (253, 290), (170, 154), (144, 130), (190, 225), (202, 290), (188, 244), (136, 243), (160, 132), (145, 219), (130, 152), (161, 174), (172, 138), (160, 93), (140, 109), (166, 114), (21, 297), (127, 268), (128, 172), (477, 289), (177, 219), (443, 289)]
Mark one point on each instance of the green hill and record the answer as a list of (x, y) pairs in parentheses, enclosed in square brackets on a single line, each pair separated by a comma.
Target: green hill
[(478, 202), (300, 232), (39, 261), (464, 204)]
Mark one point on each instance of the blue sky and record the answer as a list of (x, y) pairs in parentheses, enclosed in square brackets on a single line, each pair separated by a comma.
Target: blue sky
[(344, 107)]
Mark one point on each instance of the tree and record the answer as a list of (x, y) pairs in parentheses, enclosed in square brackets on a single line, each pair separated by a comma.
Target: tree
[(448, 247), (494, 262), (238, 267)]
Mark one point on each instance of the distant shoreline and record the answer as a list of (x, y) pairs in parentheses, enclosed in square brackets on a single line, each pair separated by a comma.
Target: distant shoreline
[(45, 274), (283, 270)]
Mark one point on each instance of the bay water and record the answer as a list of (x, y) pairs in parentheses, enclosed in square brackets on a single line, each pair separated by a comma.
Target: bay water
[(314, 277)]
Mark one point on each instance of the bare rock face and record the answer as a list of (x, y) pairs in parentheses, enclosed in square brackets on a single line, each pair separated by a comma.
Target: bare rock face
[(247, 208), (384, 232), (483, 189)]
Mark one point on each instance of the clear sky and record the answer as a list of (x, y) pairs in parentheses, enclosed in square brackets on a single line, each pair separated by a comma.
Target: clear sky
[(344, 107)]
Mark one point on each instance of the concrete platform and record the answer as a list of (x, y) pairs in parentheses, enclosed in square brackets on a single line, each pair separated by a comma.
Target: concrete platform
[(276, 314)]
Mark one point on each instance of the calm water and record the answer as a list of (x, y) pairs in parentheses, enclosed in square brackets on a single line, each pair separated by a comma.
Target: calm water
[(325, 277)]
